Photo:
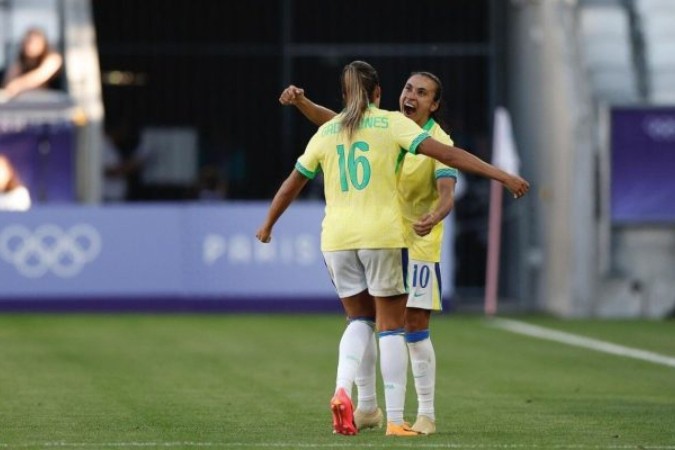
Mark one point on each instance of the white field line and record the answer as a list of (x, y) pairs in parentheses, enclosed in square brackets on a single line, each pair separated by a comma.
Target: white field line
[(580, 341), (296, 445)]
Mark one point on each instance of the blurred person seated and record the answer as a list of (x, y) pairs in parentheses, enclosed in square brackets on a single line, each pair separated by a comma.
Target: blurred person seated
[(14, 196), (211, 185), (37, 66), (123, 160), (114, 172)]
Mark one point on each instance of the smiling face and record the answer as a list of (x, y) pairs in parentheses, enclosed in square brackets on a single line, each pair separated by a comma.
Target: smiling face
[(417, 98)]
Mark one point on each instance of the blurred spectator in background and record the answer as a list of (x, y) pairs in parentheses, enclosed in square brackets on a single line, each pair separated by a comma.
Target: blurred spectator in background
[(36, 67), (123, 161), (211, 185), (224, 159), (14, 195)]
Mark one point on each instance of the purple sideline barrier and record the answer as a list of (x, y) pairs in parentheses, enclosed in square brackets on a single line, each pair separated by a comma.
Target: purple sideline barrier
[(642, 165), (163, 257)]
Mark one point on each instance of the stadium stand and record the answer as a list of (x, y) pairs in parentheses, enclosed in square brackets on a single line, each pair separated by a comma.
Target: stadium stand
[(657, 18), (629, 49), (608, 52)]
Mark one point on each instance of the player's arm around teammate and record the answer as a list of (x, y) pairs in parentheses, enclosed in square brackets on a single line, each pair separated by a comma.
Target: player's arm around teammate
[(449, 155)]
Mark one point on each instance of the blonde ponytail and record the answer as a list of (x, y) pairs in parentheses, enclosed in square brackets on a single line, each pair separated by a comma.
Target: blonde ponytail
[(359, 81)]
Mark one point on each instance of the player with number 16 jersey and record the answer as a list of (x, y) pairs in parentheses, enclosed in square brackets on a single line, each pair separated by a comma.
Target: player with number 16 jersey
[(361, 179)]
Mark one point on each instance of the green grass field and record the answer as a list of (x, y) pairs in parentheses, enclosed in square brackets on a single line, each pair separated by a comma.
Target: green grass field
[(240, 381)]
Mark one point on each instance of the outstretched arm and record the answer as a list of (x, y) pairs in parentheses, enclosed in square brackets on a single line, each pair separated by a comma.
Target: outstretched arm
[(288, 191), (316, 114), (465, 161), (446, 201)]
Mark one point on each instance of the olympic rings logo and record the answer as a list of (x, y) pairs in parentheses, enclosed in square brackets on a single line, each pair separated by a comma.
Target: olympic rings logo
[(660, 128), (49, 248)]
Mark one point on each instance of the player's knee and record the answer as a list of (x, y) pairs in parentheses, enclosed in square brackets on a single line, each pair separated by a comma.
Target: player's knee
[(389, 323), (416, 319)]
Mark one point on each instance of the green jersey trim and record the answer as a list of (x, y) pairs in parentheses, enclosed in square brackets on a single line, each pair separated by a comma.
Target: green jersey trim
[(306, 172), (450, 172), (417, 141), (429, 125), (399, 160)]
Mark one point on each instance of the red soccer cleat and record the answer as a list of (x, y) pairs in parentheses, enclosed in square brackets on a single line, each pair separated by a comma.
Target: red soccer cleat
[(343, 414)]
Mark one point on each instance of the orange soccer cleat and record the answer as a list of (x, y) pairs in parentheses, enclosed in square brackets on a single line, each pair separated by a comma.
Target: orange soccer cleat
[(402, 430)]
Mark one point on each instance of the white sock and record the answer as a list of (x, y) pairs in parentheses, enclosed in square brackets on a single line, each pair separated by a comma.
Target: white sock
[(354, 341), (394, 366), (423, 362), (366, 376)]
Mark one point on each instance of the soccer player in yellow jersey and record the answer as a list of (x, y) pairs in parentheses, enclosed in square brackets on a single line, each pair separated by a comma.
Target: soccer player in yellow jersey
[(427, 197), (362, 236)]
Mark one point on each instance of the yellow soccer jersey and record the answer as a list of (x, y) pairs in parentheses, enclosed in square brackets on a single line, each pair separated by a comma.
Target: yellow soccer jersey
[(419, 196), (361, 179)]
